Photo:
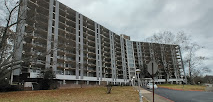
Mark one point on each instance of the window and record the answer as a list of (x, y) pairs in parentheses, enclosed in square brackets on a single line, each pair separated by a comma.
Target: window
[(53, 29), (53, 23), (51, 59), (54, 9), (54, 2), (53, 15)]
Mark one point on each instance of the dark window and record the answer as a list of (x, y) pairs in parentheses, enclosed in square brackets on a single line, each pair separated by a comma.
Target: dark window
[(52, 29), (53, 23), (54, 9), (53, 15)]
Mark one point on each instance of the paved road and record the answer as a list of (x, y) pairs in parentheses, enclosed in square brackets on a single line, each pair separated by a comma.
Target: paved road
[(185, 96)]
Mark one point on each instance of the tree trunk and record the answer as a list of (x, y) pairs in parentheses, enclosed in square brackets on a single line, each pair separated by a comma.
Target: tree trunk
[(109, 88)]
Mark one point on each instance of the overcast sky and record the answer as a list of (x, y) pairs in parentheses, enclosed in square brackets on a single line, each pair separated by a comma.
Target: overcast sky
[(142, 18)]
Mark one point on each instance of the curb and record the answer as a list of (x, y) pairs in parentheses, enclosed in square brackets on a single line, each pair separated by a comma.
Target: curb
[(179, 89)]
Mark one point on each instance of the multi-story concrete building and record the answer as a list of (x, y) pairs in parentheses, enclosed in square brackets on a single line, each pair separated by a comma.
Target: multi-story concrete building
[(77, 48)]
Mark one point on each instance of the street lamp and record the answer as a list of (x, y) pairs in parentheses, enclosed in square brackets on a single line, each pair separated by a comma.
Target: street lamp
[(140, 94), (138, 72), (133, 80)]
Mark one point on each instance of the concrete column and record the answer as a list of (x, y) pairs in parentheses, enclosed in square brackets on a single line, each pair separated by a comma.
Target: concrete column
[(82, 47), (49, 36), (20, 32), (123, 59), (55, 37), (64, 81), (112, 53), (163, 56), (100, 58), (79, 46), (151, 51), (98, 52), (182, 66), (139, 53), (174, 61)]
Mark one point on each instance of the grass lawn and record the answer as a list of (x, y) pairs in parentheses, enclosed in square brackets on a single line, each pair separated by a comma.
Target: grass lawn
[(185, 87), (95, 94)]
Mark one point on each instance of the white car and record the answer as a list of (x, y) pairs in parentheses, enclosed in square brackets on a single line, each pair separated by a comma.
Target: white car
[(150, 86)]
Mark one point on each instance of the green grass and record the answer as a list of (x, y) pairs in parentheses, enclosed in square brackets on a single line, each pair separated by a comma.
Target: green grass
[(185, 87), (95, 94)]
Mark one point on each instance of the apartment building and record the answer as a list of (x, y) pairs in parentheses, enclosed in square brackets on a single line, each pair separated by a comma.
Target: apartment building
[(77, 48)]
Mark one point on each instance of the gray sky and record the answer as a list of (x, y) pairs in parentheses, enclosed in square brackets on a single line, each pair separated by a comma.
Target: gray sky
[(142, 18)]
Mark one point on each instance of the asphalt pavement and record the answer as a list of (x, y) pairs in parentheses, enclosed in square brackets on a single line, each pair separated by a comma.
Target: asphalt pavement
[(148, 96), (185, 96)]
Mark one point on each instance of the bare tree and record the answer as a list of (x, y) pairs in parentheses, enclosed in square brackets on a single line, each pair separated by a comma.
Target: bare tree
[(7, 37), (195, 62), (191, 60), (168, 37)]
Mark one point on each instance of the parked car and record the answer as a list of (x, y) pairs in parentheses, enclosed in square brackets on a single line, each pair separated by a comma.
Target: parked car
[(150, 86)]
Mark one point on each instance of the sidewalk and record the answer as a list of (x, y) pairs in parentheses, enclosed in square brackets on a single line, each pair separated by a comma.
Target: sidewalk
[(148, 95)]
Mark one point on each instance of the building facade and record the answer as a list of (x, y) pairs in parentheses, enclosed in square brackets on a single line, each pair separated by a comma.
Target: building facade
[(77, 48)]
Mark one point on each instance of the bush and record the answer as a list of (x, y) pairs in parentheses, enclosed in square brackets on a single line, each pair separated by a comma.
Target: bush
[(48, 81), (4, 85)]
